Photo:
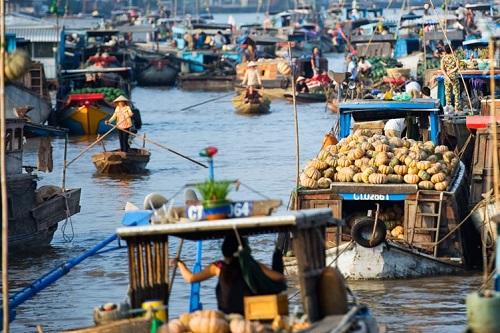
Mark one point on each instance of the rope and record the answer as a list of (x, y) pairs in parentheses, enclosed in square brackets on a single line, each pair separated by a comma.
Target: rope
[(66, 238)]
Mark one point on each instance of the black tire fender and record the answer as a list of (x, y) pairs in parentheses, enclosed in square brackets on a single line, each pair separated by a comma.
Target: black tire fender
[(285, 82), (362, 229)]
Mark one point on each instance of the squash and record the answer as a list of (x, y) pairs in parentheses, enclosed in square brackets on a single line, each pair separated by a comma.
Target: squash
[(244, 326), (411, 162), (312, 173), (394, 161), (381, 159), (385, 169), (367, 146), (395, 178), (201, 324), (401, 169), (316, 163), (382, 148), (358, 178), (308, 182), (441, 149), (331, 161), (438, 177), (413, 171), (355, 154), (344, 162), (398, 230), (328, 173), (424, 175), (411, 179), (441, 186), (284, 68), (346, 174), (426, 185), (423, 165), (16, 65), (324, 182), (433, 170), (377, 178), (433, 158), (362, 161), (323, 154), (184, 319), (366, 174)]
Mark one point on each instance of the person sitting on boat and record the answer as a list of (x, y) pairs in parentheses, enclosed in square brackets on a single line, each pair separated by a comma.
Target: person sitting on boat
[(252, 95), (252, 75), (351, 68), (364, 67), (232, 286), (219, 40), (123, 116), (301, 85), (250, 54), (394, 127)]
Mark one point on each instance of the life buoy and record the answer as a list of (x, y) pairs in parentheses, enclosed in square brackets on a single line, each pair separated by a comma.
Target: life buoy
[(137, 118), (285, 82), (362, 230)]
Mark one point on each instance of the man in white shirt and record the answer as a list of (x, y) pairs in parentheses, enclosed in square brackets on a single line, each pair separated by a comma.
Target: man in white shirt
[(394, 127), (364, 67), (351, 67)]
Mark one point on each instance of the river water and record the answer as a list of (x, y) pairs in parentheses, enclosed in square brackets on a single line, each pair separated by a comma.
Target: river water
[(260, 151)]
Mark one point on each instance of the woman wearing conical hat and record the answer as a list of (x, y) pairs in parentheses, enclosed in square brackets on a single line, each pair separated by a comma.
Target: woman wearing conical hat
[(123, 116)]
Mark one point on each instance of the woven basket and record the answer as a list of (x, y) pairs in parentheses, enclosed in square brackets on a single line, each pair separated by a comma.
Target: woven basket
[(398, 72)]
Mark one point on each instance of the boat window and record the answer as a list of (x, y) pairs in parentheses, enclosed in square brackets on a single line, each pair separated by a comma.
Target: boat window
[(18, 139)]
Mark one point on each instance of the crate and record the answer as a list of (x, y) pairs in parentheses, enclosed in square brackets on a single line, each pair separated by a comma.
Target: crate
[(486, 107), (265, 307)]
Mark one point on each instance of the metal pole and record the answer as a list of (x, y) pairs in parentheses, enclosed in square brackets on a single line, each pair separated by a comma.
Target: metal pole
[(3, 177)]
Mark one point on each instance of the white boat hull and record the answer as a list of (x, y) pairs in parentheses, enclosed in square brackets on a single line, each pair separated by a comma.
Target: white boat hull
[(386, 262), (481, 218)]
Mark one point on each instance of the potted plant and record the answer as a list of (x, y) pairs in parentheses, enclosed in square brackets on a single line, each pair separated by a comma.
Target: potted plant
[(214, 194)]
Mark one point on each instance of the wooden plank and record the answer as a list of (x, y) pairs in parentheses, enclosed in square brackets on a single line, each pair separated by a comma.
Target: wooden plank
[(373, 188)]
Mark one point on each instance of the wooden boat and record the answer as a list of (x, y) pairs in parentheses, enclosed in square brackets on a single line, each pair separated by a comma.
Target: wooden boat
[(208, 80), (157, 72), (395, 230), (34, 212), (118, 162), (85, 109), (319, 97), (253, 107), (307, 226)]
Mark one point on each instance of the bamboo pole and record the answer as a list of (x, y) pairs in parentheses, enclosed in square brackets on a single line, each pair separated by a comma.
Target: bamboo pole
[(92, 145), (3, 177), (295, 116), (493, 115)]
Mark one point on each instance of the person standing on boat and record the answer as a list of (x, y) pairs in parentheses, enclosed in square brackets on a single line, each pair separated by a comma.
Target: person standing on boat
[(315, 60), (232, 287), (450, 66), (252, 75), (123, 116), (301, 85), (251, 54)]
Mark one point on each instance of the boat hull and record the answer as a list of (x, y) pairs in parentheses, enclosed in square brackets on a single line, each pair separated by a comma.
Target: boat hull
[(157, 73), (203, 81), (118, 162), (17, 95), (85, 119), (307, 97), (390, 260)]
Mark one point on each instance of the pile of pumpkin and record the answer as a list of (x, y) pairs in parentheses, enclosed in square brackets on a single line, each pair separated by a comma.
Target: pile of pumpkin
[(213, 321), (367, 157), (393, 219)]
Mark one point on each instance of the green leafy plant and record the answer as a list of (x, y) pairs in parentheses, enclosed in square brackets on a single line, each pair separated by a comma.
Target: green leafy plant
[(214, 190)]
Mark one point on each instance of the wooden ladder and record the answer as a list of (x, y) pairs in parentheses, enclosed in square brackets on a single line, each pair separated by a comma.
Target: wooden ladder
[(36, 78), (435, 214)]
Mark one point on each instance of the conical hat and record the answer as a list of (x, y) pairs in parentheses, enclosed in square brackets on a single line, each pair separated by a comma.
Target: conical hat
[(120, 99)]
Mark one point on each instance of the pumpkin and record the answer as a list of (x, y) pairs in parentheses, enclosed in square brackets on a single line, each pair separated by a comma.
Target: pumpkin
[(394, 161), (17, 64), (423, 165), (328, 173), (312, 173), (413, 171), (448, 156), (396, 142), (433, 158), (201, 324), (344, 162), (184, 319), (358, 178), (395, 178), (433, 170), (381, 159), (382, 147), (377, 178), (366, 174), (401, 169), (323, 154), (362, 161), (316, 163), (331, 161), (324, 182), (426, 185), (385, 169), (346, 174), (424, 175), (398, 230), (438, 177), (411, 179), (411, 162), (244, 326), (355, 154), (284, 68), (308, 182), (441, 186), (441, 149), (367, 146)]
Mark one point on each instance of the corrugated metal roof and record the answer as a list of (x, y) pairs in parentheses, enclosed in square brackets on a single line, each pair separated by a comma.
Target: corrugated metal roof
[(35, 34)]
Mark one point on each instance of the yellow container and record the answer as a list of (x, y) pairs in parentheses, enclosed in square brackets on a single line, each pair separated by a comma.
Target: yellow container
[(158, 309)]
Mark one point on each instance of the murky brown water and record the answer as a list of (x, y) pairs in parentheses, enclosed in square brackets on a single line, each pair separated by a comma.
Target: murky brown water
[(258, 150)]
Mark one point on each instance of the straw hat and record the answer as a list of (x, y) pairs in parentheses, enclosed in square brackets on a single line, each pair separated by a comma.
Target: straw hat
[(121, 98), (252, 64), (300, 78)]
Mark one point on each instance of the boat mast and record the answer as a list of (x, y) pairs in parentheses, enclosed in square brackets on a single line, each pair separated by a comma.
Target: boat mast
[(3, 178)]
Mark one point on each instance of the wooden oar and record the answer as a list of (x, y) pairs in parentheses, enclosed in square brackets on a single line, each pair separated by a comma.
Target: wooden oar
[(162, 146), (210, 100), (92, 145)]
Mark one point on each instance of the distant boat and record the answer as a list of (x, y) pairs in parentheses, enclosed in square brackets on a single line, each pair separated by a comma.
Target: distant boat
[(85, 109), (119, 162), (254, 107), (34, 212)]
